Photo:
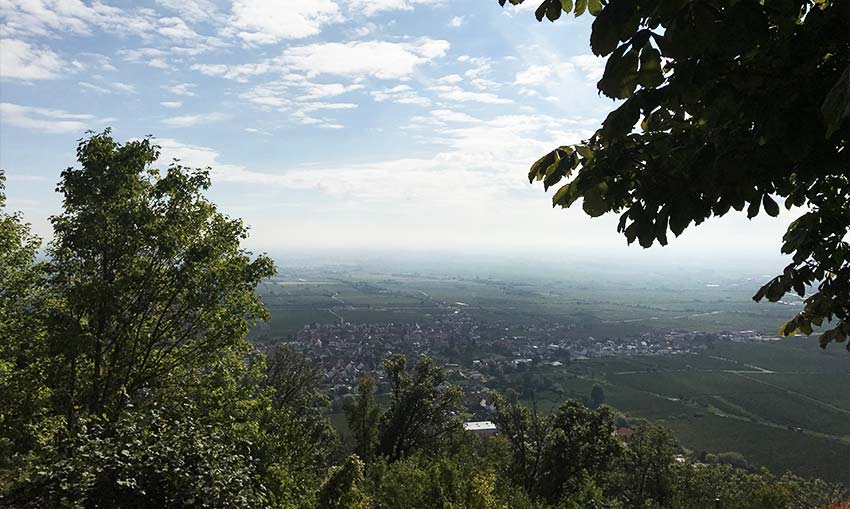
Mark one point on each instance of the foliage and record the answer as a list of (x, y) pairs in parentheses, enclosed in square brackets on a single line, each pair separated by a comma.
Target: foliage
[(700, 80), (125, 374), (342, 489), (160, 457), (553, 455), (363, 415), (646, 469), (597, 396), (24, 364), (423, 410), (445, 481), (150, 274), (698, 486)]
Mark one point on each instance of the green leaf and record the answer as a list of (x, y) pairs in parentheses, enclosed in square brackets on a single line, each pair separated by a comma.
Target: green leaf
[(541, 10), (594, 7), (594, 202), (753, 209), (650, 74), (621, 74), (770, 206), (581, 6), (538, 169), (603, 36), (567, 5), (553, 12)]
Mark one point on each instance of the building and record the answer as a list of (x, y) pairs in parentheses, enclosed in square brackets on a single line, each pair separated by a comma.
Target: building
[(483, 428)]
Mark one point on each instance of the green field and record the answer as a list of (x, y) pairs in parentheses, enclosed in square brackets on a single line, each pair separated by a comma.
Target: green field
[(598, 306), (720, 405), (783, 404)]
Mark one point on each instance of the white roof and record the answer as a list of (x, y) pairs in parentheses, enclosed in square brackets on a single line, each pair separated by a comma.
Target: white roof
[(479, 426)]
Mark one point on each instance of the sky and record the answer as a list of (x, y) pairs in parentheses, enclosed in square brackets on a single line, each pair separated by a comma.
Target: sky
[(402, 125)]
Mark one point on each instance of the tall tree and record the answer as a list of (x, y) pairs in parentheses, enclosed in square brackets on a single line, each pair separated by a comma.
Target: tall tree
[(726, 104), (363, 416), (645, 472), (581, 445), (423, 409), (151, 275), (24, 363), (527, 432)]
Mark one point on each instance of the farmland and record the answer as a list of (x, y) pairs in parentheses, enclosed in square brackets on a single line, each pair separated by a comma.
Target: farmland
[(784, 405)]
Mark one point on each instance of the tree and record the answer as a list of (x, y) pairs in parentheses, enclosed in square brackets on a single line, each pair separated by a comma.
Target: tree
[(597, 396), (701, 130), (581, 444), (341, 490), (128, 376), (151, 276), (527, 433), (423, 409), (363, 416), (554, 456), (645, 471), (25, 397)]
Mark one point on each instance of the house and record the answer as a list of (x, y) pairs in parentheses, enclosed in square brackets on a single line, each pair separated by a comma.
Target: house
[(483, 428)]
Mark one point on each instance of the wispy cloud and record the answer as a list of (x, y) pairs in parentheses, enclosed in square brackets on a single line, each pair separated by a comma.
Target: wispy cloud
[(48, 120), (192, 120), (24, 61)]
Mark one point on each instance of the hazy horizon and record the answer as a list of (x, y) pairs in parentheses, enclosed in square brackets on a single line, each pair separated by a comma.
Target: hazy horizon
[(370, 126)]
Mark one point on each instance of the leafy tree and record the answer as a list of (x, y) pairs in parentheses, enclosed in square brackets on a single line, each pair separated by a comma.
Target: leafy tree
[(24, 364), (527, 433), (581, 444), (645, 472), (698, 486), (421, 481), (597, 396), (342, 489), (423, 409), (159, 457), (726, 104), (363, 416), (293, 440), (150, 274), (552, 456), (141, 392)]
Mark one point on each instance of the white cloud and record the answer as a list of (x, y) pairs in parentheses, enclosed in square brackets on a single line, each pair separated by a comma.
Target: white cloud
[(123, 87), (180, 89), (379, 59), (592, 66), (533, 75), (54, 17), (279, 96), (452, 116), (94, 88), (401, 94), (44, 119), (108, 88), (176, 29), (270, 21), (455, 93), (192, 120), (372, 7), (320, 90), (456, 21), (239, 72), (171, 104), (23, 61), (192, 10), (152, 57)]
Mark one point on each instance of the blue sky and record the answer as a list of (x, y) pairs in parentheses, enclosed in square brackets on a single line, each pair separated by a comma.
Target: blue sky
[(328, 123)]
